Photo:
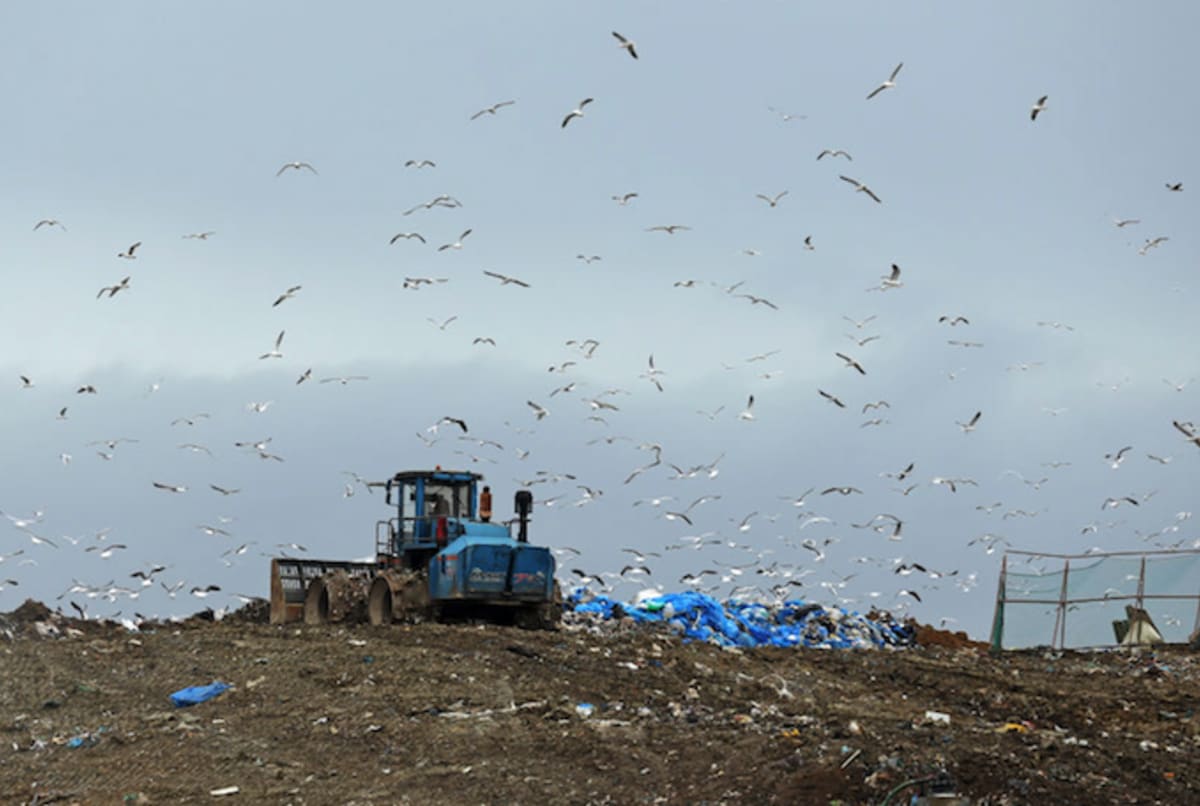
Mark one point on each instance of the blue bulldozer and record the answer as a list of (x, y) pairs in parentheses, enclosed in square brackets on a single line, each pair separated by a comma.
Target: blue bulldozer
[(440, 557)]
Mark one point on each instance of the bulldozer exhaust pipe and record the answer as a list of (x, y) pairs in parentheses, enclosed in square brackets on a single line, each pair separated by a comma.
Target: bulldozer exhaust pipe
[(523, 503)]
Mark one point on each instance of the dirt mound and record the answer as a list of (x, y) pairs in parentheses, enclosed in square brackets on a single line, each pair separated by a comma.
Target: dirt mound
[(434, 713)]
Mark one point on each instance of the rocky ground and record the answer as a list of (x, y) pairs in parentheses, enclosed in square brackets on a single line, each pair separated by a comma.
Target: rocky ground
[(465, 714)]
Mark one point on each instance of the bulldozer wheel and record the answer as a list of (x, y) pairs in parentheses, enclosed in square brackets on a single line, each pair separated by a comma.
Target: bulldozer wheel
[(335, 597), (398, 595)]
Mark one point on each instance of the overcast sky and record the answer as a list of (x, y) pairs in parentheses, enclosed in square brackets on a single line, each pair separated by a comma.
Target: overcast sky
[(143, 123)]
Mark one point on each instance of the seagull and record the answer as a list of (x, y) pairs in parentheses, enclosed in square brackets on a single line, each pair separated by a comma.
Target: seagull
[(1115, 459), (864, 341), (773, 201), (295, 166), (202, 236), (86, 389), (212, 531), (577, 112), (448, 420), (1040, 106), (808, 244), (1125, 222), (624, 199), (26, 383), (49, 222), (505, 280), (194, 448), (887, 85), (200, 592), (892, 279), (652, 373), (304, 376), (831, 398), (275, 352), (841, 490), (1151, 243), (1113, 503), (291, 292), (969, 425), (457, 244), (860, 187), (491, 110), (954, 321), (171, 488), (224, 490), (113, 289), (345, 379), (1176, 187), (418, 164), (860, 324), (539, 411), (442, 325), (1188, 430), (835, 152), (588, 260), (850, 362), (622, 42), (407, 235), (484, 340), (747, 414), (128, 254)]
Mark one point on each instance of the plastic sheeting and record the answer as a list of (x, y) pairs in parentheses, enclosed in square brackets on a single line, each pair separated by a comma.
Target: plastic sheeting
[(700, 617), (194, 695)]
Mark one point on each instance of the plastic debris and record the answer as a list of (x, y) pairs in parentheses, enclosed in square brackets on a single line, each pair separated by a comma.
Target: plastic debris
[(585, 709), (225, 790), (700, 617), (937, 718), (194, 695)]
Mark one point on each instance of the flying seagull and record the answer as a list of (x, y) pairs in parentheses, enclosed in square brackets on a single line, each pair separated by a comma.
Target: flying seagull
[(577, 112), (407, 235), (622, 42), (538, 411), (861, 188), (291, 292), (440, 325), (835, 152), (491, 110), (112, 290), (970, 424), (418, 164), (457, 244), (850, 362), (295, 166), (769, 200), (887, 85), (275, 352), (1040, 106), (831, 398), (1176, 187), (670, 229), (505, 280), (203, 236), (624, 198), (128, 254), (171, 488), (49, 222)]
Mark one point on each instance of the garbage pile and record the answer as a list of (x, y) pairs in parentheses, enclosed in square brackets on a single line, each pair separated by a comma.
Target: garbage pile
[(698, 616)]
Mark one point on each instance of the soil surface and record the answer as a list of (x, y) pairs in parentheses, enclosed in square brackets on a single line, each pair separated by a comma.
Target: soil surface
[(588, 713)]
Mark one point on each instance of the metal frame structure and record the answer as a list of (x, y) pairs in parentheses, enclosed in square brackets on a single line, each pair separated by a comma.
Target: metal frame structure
[(1059, 635)]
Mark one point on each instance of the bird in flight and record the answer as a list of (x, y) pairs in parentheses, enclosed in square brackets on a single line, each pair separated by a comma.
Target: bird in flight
[(1176, 187), (588, 259), (970, 424), (295, 166), (1125, 222), (291, 292), (850, 362), (171, 488), (835, 152), (887, 85), (418, 164), (113, 289), (440, 325), (624, 198), (538, 411), (345, 379), (49, 222), (128, 254), (831, 398), (670, 229), (457, 244), (747, 414), (953, 320), (1151, 243), (202, 236), (577, 112), (1038, 108), (406, 236), (506, 280), (773, 201), (491, 110), (622, 42), (861, 188), (275, 352)]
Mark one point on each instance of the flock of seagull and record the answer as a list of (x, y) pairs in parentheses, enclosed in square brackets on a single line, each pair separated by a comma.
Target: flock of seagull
[(795, 562)]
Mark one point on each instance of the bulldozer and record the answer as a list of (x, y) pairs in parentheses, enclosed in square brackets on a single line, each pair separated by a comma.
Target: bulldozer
[(439, 558)]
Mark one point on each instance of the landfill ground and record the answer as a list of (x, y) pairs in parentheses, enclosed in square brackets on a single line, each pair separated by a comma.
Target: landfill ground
[(466, 714)]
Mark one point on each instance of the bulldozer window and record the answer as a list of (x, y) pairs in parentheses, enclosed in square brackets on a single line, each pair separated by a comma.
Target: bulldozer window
[(454, 496)]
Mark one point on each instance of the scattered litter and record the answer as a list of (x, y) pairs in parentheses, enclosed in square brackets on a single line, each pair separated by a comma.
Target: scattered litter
[(937, 718), (746, 624), (1013, 727), (585, 709), (225, 790), (194, 695)]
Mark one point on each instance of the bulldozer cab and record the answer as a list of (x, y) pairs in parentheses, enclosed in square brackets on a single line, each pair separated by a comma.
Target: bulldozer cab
[(429, 504)]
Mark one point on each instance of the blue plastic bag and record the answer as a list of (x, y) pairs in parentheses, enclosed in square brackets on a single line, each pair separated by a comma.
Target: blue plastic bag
[(193, 695)]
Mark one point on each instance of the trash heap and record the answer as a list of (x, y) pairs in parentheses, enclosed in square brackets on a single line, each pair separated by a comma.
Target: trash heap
[(698, 616)]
